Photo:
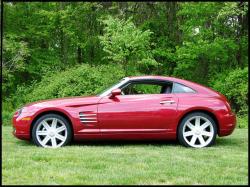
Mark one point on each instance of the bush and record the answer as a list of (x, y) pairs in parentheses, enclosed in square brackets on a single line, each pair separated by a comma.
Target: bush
[(242, 121), (234, 85), (7, 113), (77, 81), (80, 80)]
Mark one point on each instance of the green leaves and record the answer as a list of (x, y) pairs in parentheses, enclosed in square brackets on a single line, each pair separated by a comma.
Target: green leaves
[(124, 43), (212, 41), (15, 56), (234, 85), (232, 9), (77, 81), (199, 41)]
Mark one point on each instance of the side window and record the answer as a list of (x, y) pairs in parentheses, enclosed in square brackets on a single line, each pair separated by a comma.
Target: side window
[(179, 88), (141, 88), (147, 88)]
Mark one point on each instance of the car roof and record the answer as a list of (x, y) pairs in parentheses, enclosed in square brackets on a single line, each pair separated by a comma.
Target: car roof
[(152, 77), (197, 87), (165, 78)]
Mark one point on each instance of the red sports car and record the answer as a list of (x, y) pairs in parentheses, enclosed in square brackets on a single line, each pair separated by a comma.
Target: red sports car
[(144, 107)]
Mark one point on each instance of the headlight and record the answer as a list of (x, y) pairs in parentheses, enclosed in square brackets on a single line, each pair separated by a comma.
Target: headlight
[(18, 112)]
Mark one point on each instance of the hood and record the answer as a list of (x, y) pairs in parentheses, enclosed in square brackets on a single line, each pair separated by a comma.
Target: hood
[(66, 102)]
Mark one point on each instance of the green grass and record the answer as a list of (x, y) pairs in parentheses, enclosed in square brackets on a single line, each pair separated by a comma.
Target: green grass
[(126, 163), (242, 121)]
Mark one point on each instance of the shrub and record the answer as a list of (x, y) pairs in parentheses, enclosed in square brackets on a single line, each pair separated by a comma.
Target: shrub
[(126, 44), (77, 81), (234, 85), (242, 121)]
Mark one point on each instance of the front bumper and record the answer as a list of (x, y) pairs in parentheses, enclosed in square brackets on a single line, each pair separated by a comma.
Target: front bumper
[(227, 124), (21, 126)]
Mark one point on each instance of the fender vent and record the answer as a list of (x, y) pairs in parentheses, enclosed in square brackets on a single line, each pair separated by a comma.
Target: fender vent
[(87, 118)]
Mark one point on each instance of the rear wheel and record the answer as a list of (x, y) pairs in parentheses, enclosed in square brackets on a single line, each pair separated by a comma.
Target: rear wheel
[(52, 131), (197, 130)]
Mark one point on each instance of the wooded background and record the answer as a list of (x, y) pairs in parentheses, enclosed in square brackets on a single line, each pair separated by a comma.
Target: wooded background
[(59, 49)]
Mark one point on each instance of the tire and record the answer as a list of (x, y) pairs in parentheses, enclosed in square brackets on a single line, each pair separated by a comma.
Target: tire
[(51, 131), (196, 127)]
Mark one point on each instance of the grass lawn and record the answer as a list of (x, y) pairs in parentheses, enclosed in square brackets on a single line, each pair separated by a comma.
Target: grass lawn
[(126, 162)]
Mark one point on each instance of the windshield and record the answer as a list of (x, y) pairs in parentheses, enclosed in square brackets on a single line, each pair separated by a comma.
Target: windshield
[(115, 86)]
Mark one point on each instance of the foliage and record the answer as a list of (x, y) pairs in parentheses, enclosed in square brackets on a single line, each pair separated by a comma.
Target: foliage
[(234, 86), (126, 44), (195, 63), (242, 121), (78, 81), (205, 42), (205, 51), (81, 80), (15, 54)]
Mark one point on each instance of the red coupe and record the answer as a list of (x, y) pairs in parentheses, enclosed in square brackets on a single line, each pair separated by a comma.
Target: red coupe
[(144, 107)]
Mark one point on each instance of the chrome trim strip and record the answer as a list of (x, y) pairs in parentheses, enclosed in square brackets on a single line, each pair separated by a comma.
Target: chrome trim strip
[(86, 118), (86, 115)]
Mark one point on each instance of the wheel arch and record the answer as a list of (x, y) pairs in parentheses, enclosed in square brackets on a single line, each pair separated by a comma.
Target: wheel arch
[(210, 113), (52, 112)]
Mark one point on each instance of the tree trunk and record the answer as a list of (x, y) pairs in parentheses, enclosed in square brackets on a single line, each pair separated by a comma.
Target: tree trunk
[(240, 33), (63, 40), (63, 48), (172, 25), (79, 55)]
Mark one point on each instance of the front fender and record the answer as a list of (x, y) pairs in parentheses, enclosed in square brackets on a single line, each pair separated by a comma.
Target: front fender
[(24, 122)]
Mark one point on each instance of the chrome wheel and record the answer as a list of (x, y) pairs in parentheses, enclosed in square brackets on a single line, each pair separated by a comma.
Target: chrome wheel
[(198, 131), (51, 132)]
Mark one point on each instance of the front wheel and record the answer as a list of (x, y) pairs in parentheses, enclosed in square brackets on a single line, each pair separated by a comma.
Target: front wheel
[(197, 130), (52, 131)]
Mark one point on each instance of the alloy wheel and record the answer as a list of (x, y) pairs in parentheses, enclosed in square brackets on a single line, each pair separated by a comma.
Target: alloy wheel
[(51, 132), (198, 131)]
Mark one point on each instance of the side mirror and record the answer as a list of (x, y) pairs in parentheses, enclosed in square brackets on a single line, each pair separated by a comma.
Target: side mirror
[(115, 92)]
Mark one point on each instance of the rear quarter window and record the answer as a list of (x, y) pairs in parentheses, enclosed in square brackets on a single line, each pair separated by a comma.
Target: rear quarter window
[(180, 88)]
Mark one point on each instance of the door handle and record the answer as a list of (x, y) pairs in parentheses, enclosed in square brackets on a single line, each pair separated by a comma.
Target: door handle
[(167, 102)]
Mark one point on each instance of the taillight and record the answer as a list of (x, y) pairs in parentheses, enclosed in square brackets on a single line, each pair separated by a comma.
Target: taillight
[(228, 106)]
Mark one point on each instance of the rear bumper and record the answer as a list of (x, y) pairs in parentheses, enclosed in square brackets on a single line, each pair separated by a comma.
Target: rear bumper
[(227, 124)]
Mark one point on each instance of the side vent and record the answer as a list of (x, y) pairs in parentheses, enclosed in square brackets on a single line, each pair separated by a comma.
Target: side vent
[(87, 118)]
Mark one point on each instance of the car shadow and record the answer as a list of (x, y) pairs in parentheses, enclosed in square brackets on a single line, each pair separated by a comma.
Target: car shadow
[(124, 142), (219, 142), (24, 143)]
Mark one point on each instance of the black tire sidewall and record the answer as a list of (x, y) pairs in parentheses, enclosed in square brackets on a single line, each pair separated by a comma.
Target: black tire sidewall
[(183, 121), (39, 120)]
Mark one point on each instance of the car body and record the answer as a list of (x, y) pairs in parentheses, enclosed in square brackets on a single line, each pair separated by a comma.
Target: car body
[(119, 113)]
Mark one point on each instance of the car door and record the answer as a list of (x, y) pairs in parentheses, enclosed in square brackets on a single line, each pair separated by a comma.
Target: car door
[(142, 113)]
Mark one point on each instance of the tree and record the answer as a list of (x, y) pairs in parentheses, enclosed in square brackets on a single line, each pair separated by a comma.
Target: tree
[(124, 43), (204, 42), (210, 41)]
